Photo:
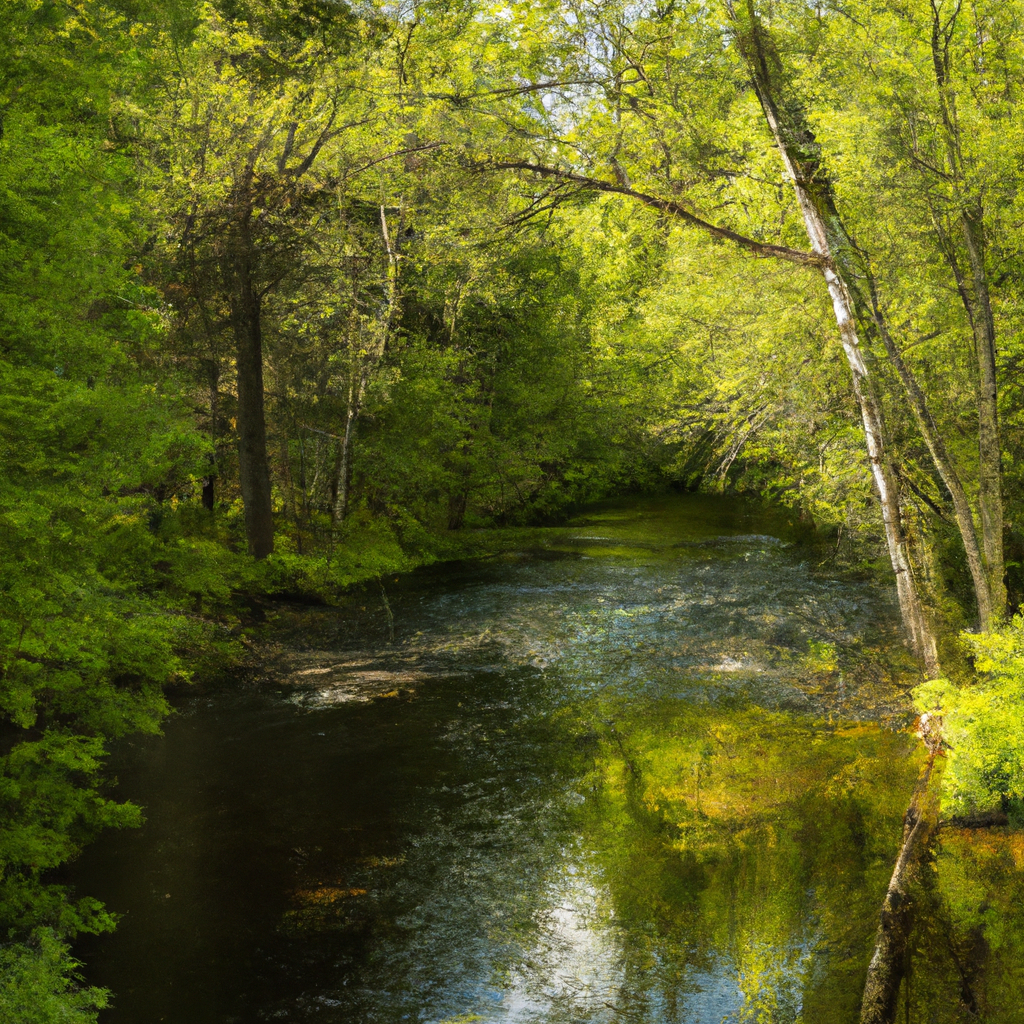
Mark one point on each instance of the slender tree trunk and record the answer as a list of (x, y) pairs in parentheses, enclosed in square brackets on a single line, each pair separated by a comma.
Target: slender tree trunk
[(254, 471), (213, 379), (457, 503), (978, 304), (943, 463), (990, 496), (288, 481), (339, 509), (799, 152), (754, 423), (921, 638), (387, 313)]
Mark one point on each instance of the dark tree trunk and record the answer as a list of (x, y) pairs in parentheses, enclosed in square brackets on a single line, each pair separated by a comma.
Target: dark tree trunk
[(990, 497), (457, 502), (254, 471), (888, 963), (213, 380)]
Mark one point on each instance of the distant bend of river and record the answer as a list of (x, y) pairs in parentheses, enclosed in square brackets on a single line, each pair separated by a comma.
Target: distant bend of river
[(652, 771)]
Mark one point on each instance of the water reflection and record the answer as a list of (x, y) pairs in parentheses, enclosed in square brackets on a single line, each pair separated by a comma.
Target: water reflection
[(648, 773)]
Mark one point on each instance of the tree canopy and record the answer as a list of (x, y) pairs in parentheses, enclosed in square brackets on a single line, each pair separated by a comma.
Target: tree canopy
[(296, 293)]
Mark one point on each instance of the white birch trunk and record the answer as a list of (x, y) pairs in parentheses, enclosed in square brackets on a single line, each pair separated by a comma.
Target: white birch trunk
[(919, 633), (374, 354)]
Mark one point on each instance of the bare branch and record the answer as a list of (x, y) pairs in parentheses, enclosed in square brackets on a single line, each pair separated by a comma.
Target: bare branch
[(520, 90), (670, 206), (425, 148)]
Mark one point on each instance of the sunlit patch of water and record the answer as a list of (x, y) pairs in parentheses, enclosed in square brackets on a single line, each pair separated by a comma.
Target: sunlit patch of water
[(572, 967), (669, 620)]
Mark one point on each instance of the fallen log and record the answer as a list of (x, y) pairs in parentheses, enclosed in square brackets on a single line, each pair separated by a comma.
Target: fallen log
[(983, 819)]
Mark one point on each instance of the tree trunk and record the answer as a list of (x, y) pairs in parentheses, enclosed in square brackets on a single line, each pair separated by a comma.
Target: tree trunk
[(213, 379), (386, 315), (990, 497), (254, 471), (288, 482), (922, 640), (978, 304), (943, 463), (457, 503), (888, 962), (339, 508), (799, 152)]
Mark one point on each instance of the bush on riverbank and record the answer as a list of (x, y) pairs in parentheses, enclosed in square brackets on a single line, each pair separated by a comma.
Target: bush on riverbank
[(39, 984), (982, 725)]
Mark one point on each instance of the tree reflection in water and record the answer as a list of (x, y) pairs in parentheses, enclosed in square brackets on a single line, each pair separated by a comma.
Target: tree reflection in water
[(653, 772)]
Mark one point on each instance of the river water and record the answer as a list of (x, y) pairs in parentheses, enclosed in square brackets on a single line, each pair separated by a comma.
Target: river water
[(651, 770)]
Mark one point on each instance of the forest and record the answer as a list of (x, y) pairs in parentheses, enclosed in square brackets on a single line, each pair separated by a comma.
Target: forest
[(302, 294)]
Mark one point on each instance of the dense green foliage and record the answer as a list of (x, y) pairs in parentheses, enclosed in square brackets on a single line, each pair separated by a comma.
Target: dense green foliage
[(86, 435), (982, 723), (327, 285), (40, 984)]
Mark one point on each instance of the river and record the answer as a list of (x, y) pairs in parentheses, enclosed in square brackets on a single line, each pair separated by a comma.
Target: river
[(651, 770)]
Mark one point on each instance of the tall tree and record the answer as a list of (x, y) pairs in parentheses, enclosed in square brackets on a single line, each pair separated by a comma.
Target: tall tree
[(801, 156), (967, 208), (613, 130), (251, 135), (901, 85)]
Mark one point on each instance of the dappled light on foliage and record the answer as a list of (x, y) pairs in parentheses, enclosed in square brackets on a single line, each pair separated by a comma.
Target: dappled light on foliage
[(683, 341), (982, 721)]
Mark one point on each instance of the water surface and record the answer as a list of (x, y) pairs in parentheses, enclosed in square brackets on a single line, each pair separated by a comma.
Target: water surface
[(652, 770)]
